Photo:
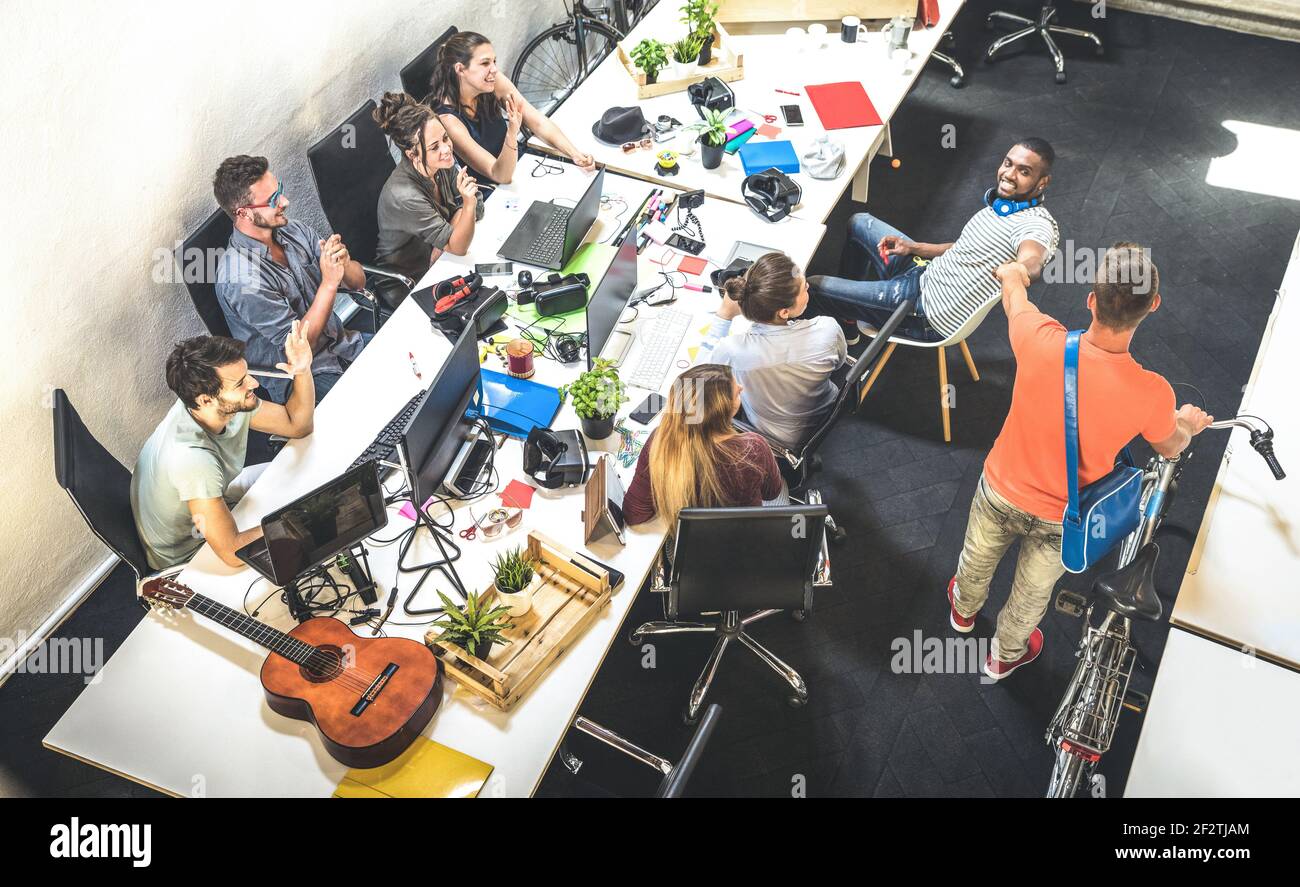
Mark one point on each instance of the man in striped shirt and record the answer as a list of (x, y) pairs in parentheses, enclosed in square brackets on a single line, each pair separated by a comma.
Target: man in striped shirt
[(956, 279)]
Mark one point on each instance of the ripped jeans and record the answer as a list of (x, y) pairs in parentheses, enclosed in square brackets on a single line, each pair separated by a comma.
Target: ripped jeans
[(873, 301)]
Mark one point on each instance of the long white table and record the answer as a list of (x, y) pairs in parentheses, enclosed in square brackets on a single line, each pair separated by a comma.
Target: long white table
[(179, 706), (1220, 724), (772, 62)]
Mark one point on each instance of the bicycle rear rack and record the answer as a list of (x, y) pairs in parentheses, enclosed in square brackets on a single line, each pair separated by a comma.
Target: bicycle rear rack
[(1092, 713)]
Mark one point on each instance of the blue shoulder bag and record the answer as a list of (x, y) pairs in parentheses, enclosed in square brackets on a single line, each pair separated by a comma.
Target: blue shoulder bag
[(1105, 511)]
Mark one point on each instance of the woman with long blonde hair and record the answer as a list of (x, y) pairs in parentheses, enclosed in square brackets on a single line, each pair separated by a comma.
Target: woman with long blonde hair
[(695, 459)]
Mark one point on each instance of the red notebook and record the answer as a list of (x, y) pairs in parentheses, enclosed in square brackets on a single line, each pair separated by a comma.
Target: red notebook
[(842, 105)]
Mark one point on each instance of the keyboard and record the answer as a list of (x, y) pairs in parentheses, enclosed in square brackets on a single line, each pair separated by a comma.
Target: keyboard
[(384, 446), (660, 341), (550, 240)]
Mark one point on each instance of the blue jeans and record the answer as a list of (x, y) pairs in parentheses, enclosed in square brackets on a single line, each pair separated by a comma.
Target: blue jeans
[(873, 301)]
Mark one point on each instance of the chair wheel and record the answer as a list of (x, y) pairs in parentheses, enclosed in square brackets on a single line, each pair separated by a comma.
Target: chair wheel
[(1100, 50), (687, 719), (799, 615), (634, 638), (838, 534), (956, 82), (798, 701), (988, 23), (1060, 76)]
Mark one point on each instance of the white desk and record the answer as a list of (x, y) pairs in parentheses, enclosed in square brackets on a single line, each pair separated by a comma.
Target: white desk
[(1243, 578), (1220, 724), (770, 64), (179, 707)]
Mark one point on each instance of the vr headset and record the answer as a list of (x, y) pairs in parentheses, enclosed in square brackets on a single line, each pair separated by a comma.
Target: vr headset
[(771, 193), (555, 458), (711, 93)]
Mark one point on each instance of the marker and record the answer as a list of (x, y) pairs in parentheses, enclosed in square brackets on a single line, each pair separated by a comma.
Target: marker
[(787, 92), (414, 367), (698, 289)]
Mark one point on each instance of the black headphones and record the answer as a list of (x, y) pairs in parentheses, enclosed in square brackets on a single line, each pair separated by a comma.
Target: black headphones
[(1004, 207), (771, 193)]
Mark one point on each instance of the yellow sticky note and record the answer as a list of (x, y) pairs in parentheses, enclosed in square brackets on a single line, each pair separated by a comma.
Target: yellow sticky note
[(425, 770), (692, 351)]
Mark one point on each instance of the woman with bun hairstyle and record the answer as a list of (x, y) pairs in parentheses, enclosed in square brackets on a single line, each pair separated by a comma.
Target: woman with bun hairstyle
[(696, 459), (784, 362), (483, 110), (428, 205)]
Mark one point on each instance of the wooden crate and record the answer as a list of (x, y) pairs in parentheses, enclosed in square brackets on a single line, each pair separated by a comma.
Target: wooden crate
[(727, 64), (811, 10), (566, 600)]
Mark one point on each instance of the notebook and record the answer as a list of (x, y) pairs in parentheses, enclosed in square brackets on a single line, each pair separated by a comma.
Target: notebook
[(425, 770), (842, 105), (758, 156)]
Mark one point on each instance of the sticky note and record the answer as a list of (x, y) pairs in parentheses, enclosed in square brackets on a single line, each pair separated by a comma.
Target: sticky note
[(408, 512), (769, 131), (518, 494), (692, 265)]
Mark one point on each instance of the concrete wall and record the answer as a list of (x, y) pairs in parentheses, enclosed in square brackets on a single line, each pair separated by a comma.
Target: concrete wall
[(116, 116)]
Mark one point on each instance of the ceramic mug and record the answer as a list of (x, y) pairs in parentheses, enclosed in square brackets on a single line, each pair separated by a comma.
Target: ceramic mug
[(851, 28)]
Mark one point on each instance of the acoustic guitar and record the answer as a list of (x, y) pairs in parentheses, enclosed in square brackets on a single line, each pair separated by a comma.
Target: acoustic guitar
[(368, 697)]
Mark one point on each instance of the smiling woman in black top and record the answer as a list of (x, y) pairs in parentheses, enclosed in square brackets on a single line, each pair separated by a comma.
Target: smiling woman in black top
[(483, 110)]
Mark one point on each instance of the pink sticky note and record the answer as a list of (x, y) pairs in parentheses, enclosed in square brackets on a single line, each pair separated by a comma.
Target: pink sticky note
[(769, 131), (692, 265), (408, 512), (518, 494)]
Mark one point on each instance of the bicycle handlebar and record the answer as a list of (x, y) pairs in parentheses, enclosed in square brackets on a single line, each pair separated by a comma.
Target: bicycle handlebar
[(1261, 438)]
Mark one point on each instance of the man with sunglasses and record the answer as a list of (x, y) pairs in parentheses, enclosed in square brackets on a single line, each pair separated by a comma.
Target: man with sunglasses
[(278, 271), (191, 469)]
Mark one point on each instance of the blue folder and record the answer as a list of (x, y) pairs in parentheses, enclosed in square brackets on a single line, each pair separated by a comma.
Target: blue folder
[(514, 406), (758, 156)]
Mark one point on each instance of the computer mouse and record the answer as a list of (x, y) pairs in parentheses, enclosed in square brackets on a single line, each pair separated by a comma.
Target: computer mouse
[(525, 279)]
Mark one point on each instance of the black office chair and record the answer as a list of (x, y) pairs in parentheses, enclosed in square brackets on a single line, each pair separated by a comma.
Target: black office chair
[(349, 167), (418, 73), (800, 464), (99, 486), (763, 559), (675, 776), (1044, 28)]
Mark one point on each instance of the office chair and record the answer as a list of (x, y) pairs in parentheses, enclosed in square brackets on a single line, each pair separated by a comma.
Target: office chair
[(800, 464), (675, 776), (958, 73), (958, 338), (418, 72), (99, 486), (350, 167), (763, 560), (1044, 29)]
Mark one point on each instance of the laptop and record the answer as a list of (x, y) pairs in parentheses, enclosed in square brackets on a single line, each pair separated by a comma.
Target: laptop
[(319, 525), (549, 234)]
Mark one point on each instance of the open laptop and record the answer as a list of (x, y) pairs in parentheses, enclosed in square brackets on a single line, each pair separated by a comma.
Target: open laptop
[(549, 234), (319, 525)]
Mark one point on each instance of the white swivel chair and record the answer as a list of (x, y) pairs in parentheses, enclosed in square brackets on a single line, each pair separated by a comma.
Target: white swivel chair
[(958, 338)]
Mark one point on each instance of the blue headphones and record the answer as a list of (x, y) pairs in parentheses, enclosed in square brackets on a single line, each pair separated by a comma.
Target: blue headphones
[(1004, 207)]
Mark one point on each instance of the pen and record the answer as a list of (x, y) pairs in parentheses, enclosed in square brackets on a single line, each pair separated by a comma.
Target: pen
[(414, 367), (786, 92)]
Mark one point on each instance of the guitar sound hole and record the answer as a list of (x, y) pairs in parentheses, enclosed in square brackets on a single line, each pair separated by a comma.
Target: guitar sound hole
[(326, 664)]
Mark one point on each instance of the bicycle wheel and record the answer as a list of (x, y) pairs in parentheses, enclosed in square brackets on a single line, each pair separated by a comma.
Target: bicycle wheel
[(552, 65), (1066, 775)]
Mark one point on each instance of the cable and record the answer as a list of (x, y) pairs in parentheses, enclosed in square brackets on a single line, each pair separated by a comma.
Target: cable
[(605, 203)]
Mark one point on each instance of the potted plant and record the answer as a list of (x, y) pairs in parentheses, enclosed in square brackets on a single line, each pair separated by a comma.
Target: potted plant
[(597, 395), (474, 628), (651, 57), (713, 137), (701, 17), (513, 578), (685, 53)]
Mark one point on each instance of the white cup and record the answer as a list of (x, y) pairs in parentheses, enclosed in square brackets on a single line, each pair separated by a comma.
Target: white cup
[(817, 31)]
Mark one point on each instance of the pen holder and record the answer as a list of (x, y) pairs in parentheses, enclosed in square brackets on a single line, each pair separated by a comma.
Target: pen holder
[(519, 359)]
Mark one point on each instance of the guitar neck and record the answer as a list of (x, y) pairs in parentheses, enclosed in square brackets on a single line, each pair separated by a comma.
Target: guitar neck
[(259, 632)]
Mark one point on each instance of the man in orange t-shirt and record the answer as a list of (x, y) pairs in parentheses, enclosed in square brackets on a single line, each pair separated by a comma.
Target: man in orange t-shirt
[(1022, 493)]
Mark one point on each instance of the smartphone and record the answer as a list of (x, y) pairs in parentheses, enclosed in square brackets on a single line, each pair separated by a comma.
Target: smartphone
[(649, 408), (793, 116), (495, 269), (685, 244)]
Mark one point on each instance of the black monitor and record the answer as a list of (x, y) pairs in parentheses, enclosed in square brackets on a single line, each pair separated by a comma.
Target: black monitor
[(326, 521), (438, 428), (609, 301)]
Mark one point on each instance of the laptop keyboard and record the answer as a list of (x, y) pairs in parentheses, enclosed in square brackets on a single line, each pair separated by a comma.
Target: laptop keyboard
[(660, 341), (384, 446), (549, 243)]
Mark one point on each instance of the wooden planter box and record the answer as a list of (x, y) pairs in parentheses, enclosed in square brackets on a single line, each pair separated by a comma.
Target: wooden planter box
[(811, 10), (566, 600), (727, 64)]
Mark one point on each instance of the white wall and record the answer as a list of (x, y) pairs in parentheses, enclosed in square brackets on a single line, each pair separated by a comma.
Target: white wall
[(116, 116)]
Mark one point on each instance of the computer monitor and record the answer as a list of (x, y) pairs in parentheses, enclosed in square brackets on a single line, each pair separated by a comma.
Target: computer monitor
[(437, 430), (326, 521), (609, 301)]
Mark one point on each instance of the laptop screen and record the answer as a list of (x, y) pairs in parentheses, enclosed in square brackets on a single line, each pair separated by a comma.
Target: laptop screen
[(583, 215), (609, 300), (324, 522), (436, 432)]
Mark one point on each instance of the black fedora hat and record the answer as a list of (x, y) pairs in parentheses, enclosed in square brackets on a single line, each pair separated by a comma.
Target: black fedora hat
[(620, 125)]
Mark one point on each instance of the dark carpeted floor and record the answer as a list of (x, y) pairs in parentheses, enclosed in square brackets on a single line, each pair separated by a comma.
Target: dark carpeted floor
[(1134, 133)]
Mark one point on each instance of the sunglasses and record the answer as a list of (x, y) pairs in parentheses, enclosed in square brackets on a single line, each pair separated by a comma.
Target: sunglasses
[(272, 202), (494, 523), (643, 145)]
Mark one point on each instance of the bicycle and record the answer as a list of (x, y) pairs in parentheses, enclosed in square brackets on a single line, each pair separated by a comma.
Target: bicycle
[(1084, 724), (558, 59)]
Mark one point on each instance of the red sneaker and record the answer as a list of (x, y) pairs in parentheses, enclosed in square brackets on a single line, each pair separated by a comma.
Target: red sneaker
[(961, 623), (997, 669)]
